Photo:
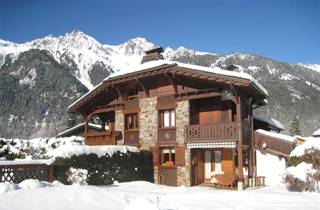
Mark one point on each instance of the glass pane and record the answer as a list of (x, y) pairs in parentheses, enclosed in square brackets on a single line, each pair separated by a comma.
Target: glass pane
[(217, 160), (165, 157), (173, 118), (166, 119), (173, 158)]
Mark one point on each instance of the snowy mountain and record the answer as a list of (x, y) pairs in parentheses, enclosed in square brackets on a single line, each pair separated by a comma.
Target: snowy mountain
[(315, 67), (294, 88)]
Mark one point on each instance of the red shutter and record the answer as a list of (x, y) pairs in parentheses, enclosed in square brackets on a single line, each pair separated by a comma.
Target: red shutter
[(155, 155), (180, 155)]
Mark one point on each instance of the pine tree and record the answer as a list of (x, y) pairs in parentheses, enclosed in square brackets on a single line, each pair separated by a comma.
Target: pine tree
[(295, 127)]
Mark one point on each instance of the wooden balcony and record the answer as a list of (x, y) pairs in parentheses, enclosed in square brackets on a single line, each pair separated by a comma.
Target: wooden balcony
[(101, 138), (212, 132)]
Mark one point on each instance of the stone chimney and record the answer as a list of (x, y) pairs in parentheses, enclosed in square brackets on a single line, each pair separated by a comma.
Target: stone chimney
[(152, 55)]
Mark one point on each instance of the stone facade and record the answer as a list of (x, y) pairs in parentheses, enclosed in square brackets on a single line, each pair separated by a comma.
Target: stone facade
[(148, 129), (183, 173), (182, 119), (119, 125)]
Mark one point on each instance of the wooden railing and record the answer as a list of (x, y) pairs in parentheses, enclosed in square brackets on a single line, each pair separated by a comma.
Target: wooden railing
[(17, 171), (101, 138), (212, 132)]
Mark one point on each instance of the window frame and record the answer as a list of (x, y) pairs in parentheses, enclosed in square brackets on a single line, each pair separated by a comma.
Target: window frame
[(135, 121), (170, 163), (172, 124)]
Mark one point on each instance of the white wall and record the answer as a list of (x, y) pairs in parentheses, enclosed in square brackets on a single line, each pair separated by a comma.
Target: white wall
[(271, 167)]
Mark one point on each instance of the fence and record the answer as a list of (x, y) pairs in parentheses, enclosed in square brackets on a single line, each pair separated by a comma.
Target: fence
[(17, 171)]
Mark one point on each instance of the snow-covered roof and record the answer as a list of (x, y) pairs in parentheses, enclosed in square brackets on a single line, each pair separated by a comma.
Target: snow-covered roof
[(271, 121), (276, 135), (163, 63), (215, 70), (91, 125), (310, 142), (316, 133)]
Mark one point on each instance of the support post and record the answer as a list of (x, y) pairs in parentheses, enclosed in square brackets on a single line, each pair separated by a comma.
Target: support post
[(240, 142)]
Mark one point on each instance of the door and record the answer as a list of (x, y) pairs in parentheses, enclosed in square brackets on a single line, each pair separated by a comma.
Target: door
[(197, 167)]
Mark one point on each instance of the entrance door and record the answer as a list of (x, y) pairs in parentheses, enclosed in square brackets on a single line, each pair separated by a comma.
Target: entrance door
[(197, 167)]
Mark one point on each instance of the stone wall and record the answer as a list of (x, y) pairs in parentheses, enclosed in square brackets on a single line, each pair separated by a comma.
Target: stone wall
[(148, 129), (182, 119), (119, 125)]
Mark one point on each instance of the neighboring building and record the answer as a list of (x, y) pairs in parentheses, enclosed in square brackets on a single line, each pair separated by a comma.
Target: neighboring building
[(301, 139), (272, 152), (197, 121)]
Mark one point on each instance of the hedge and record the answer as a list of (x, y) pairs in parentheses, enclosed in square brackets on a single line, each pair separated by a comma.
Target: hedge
[(122, 167)]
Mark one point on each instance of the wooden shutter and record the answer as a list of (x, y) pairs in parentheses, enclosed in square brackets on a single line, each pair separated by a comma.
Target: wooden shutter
[(155, 155), (180, 155)]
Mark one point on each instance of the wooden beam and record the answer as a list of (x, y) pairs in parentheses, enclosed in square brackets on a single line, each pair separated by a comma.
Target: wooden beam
[(172, 82), (239, 149), (118, 91), (140, 82)]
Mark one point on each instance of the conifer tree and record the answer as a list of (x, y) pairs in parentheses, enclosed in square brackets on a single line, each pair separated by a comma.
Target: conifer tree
[(295, 127)]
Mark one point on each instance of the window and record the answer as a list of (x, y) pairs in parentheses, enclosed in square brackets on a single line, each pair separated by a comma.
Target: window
[(167, 118), (131, 121), (167, 156), (217, 160)]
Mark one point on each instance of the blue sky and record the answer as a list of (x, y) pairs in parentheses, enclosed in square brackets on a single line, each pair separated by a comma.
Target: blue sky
[(285, 30)]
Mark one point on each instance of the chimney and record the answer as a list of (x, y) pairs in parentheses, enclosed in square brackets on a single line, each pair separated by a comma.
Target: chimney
[(152, 55)]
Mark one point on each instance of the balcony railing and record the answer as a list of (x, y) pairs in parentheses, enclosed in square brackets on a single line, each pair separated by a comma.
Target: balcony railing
[(212, 132), (101, 138)]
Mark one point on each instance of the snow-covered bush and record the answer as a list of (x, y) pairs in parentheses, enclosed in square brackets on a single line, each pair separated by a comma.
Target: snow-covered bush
[(38, 148), (105, 169), (77, 176), (304, 172)]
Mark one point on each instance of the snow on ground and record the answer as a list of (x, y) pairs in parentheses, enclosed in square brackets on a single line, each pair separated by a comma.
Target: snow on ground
[(26, 184), (143, 195)]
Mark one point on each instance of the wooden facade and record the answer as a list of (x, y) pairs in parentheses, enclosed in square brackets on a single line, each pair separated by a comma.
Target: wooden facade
[(217, 139)]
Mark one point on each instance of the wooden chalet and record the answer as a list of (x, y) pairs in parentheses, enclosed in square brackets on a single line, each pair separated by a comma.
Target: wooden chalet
[(196, 121)]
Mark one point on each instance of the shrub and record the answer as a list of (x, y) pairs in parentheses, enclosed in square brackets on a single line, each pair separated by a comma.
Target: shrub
[(77, 176), (312, 182), (122, 167)]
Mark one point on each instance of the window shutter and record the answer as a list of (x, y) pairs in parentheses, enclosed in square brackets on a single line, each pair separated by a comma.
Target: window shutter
[(155, 155), (180, 153)]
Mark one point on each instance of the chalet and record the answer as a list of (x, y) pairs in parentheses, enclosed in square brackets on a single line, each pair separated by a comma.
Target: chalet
[(196, 121)]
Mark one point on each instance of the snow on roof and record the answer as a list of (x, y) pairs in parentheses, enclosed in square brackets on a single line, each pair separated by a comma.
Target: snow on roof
[(70, 150), (310, 143), (271, 121), (159, 63), (79, 126), (215, 70), (316, 133), (277, 135)]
